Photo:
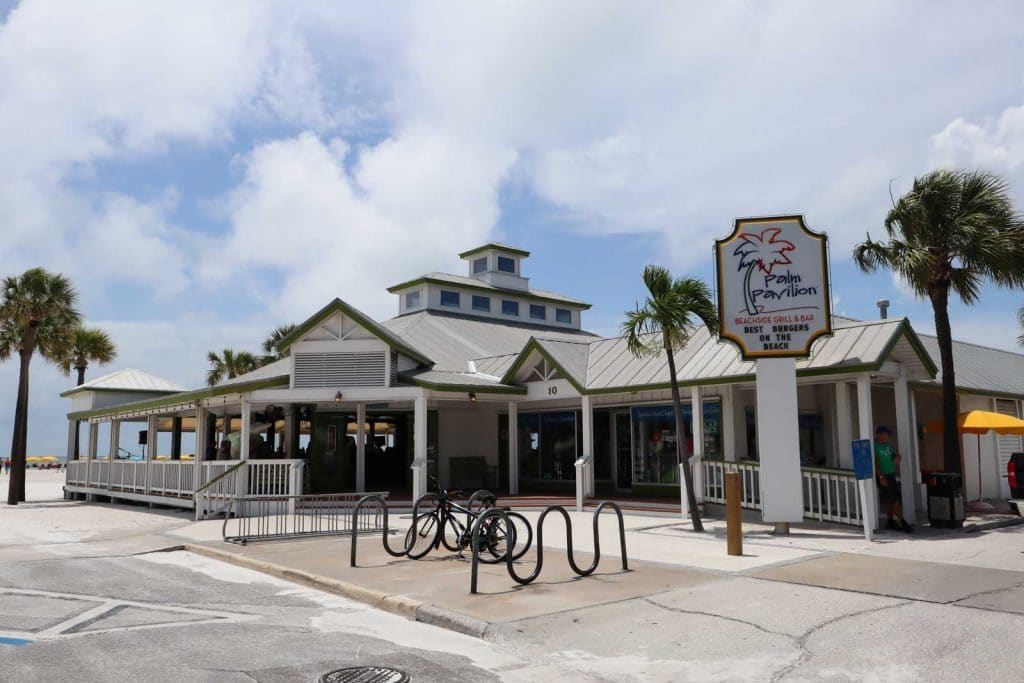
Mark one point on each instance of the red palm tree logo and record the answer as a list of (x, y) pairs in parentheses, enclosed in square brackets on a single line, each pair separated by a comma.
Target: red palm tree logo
[(763, 251)]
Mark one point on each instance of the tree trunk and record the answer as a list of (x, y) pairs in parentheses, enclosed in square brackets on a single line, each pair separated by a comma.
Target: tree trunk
[(16, 486), (677, 409), (950, 434), (81, 381)]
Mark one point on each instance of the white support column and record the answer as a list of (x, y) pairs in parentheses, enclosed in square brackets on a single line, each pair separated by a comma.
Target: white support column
[(697, 427), (360, 447), (905, 437), (728, 425), (866, 431), (778, 442), (844, 426), (587, 411), (72, 429), (419, 444), (90, 454), (290, 425), (243, 436), (513, 448), (94, 433), (151, 437), (920, 490), (197, 460), (115, 446)]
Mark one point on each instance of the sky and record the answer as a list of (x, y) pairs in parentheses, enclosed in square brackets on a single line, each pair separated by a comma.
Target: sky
[(207, 171)]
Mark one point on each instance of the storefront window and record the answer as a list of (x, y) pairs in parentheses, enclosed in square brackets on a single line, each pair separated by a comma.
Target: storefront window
[(655, 459), (547, 446)]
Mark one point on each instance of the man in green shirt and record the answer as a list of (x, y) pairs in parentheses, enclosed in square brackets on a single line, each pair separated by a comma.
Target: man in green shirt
[(887, 467)]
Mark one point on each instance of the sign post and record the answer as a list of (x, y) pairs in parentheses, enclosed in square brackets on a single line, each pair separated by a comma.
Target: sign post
[(773, 303), (863, 469)]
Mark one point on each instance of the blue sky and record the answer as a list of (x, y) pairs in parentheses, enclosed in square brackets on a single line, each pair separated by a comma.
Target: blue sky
[(206, 171)]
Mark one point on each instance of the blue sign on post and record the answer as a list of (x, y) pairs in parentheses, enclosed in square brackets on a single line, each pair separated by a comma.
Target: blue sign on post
[(862, 466)]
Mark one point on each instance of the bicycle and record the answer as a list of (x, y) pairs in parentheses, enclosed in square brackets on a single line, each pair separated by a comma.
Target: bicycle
[(437, 523)]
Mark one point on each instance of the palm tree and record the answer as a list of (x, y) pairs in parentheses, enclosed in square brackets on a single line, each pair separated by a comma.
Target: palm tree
[(229, 364), (762, 251), (86, 345), (273, 339), (953, 231), (664, 324), (37, 313)]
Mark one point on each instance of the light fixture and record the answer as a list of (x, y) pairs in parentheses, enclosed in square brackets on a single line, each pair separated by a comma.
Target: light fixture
[(338, 397), (472, 397)]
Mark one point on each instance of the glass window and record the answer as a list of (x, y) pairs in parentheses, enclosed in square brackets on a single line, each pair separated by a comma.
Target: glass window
[(538, 312), (479, 265), (655, 457), (481, 303), (547, 446), (812, 440), (449, 298), (510, 307), (563, 315), (412, 299), (506, 264)]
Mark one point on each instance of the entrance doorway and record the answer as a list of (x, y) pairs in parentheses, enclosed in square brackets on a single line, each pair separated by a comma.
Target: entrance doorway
[(332, 452)]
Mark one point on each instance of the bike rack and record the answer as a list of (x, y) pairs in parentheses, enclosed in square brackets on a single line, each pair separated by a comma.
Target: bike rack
[(387, 547), (511, 542)]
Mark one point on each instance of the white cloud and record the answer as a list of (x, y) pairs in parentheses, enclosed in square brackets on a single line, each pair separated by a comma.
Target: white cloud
[(996, 144), (407, 206)]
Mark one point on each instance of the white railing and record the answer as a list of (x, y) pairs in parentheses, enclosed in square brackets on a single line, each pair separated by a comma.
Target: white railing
[(171, 477), (830, 495), (76, 473), (128, 476), (99, 470), (275, 477), (750, 477), (231, 478)]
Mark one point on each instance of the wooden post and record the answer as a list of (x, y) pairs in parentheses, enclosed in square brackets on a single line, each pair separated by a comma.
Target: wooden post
[(733, 514)]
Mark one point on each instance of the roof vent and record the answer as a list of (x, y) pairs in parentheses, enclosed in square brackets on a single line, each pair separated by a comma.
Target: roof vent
[(883, 308)]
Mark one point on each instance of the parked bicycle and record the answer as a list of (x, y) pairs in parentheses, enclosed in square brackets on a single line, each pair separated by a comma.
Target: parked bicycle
[(441, 525)]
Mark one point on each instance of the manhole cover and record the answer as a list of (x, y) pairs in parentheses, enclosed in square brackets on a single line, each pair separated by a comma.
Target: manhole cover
[(365, 674)]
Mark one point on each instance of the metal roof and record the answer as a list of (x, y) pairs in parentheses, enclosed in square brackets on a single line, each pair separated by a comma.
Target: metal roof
[(452, 340), (981, 367), (853, 346), (128, 380), (282, 366), (465, 380), (473, 283)]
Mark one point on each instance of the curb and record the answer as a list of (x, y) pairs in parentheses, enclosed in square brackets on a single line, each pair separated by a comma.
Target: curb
[(986, 526), (401, 605)]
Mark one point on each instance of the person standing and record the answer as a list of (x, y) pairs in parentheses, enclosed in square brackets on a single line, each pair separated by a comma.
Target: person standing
[(890, 495)]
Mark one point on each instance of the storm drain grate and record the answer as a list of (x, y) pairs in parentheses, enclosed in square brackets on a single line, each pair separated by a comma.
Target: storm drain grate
[(366, 674)]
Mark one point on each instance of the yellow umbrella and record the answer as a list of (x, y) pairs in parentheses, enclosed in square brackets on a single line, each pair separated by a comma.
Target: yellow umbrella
[(49, 458), (980, 422), (33, 458)]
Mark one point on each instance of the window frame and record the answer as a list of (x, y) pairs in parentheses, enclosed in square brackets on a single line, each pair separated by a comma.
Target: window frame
[(513, 302), (477, 261), (507, 259), (543, 312), (456, 294), (480, 297), (415, 294), (567, 314)]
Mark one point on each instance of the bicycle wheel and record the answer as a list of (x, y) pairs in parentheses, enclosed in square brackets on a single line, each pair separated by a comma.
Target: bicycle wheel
[(427, 529), (494, 538), (451, 535)]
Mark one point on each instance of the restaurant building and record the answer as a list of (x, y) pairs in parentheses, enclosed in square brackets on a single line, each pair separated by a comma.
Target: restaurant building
[(482, 380)]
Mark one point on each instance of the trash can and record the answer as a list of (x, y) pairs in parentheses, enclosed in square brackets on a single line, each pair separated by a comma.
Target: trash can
[(945, 500)]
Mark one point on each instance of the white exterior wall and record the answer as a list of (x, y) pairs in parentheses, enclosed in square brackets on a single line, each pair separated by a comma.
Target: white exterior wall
[(990, 479), (466, 430), (430, 297)]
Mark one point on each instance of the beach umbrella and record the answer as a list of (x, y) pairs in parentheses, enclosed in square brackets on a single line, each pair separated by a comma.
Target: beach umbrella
[(980, 422), (33, 458), (49, 458)]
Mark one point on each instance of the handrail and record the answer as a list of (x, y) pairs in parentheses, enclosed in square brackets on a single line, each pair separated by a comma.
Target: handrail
[(220, 476), (387, 547), (511, 543)]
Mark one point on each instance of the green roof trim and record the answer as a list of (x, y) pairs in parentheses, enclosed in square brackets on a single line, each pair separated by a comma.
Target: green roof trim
[(535, 345), (512, 293), (375, 328), (182, 397), (464, 388), (905, 330), (495, 247)]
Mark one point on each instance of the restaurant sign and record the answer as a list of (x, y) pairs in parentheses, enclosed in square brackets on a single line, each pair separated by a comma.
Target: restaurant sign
[(773, 290)]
